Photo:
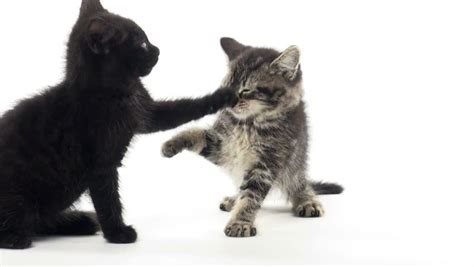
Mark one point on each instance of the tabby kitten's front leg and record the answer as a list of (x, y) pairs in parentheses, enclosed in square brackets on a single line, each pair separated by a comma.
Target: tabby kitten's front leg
[(192, 140), (256, 185), (207, 143)]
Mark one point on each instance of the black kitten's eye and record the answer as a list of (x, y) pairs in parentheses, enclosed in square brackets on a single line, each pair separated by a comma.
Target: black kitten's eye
[(144, 45)]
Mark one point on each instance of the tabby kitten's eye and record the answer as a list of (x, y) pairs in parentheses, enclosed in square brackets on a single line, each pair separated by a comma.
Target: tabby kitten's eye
[(144, 46), (264, 90)]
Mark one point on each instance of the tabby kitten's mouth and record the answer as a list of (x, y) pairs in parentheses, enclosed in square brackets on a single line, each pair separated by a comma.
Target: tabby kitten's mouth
[(242, 105)]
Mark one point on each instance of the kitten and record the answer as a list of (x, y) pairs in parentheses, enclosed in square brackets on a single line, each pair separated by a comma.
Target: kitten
[(72, 138), (262, 141)]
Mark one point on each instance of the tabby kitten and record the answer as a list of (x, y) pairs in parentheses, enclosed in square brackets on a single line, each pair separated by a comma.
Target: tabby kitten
[(72, 137), (262, 141)]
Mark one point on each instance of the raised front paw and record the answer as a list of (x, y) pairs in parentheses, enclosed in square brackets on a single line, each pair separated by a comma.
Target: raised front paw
[(123, 235), (174, 147), (311, 208), (226, 97), (240, 229)]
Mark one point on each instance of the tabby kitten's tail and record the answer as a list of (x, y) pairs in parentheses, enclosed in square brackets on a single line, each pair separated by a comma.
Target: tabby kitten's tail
[(322, 188)]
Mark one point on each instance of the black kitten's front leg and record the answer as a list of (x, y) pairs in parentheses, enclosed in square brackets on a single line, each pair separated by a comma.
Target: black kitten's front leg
[(106, 199), (166, 115)]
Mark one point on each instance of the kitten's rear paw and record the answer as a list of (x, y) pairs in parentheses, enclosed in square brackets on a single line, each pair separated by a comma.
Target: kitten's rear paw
[(174, 147), (14, 241), (227, 204), (124, 235), (309, 209), (240, 229)]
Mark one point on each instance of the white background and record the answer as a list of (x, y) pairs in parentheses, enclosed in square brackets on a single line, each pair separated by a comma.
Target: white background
[(390, 92)]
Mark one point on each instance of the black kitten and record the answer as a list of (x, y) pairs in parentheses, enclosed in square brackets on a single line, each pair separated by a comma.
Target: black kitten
[(72, 138)]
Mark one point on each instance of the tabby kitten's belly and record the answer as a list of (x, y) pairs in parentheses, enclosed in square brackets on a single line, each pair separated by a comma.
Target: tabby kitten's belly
[(238, 156)]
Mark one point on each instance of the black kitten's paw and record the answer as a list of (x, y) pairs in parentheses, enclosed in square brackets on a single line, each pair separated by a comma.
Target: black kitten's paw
[(15, 241), (309, 209), (174, 147), (227, 204), (227, 97), (124, 235), (240, 229)]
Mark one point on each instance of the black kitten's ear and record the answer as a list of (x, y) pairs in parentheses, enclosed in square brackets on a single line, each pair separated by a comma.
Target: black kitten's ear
[(91, 7), (232, 48), (288, 63), (101, 36)]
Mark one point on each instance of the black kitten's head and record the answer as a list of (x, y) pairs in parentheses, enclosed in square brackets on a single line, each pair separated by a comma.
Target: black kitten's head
[(109, 40)]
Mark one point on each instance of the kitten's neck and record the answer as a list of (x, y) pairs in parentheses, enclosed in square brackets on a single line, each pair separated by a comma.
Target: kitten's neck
[(257, 120), (94, 77)]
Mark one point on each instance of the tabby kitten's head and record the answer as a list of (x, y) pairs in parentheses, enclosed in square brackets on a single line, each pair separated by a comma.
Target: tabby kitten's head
[(268, 82), (115, 43)]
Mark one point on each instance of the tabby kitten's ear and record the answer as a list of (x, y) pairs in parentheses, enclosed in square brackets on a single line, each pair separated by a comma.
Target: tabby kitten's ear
[(288, 63), (91, 7), (232, 48), (101, 36)]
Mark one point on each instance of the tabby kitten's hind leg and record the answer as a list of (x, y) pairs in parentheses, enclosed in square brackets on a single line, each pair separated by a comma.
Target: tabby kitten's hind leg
[(227, 204), (70, 223), (305, 203)]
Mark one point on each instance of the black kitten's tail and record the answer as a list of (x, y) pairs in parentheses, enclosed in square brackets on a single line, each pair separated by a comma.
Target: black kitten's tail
[(326, 188), (70, 223)]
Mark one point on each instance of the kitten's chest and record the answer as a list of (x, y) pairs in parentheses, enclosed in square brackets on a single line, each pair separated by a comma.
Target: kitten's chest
[(240, 152), (108, 130)]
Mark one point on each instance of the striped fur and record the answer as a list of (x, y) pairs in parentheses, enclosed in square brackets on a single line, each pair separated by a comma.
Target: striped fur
[(262, 141)]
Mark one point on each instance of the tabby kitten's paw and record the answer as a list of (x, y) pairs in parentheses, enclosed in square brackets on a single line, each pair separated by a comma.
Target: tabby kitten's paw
[(123, 235), (312, 208), (227, 204), (240, 229), (175, 146)]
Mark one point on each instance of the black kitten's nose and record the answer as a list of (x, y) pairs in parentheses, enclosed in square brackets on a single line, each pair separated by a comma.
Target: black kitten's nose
[(155, 55), (156, 50)]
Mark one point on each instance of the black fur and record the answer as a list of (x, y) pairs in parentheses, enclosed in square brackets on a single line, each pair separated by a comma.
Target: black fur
[(71, 138)]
